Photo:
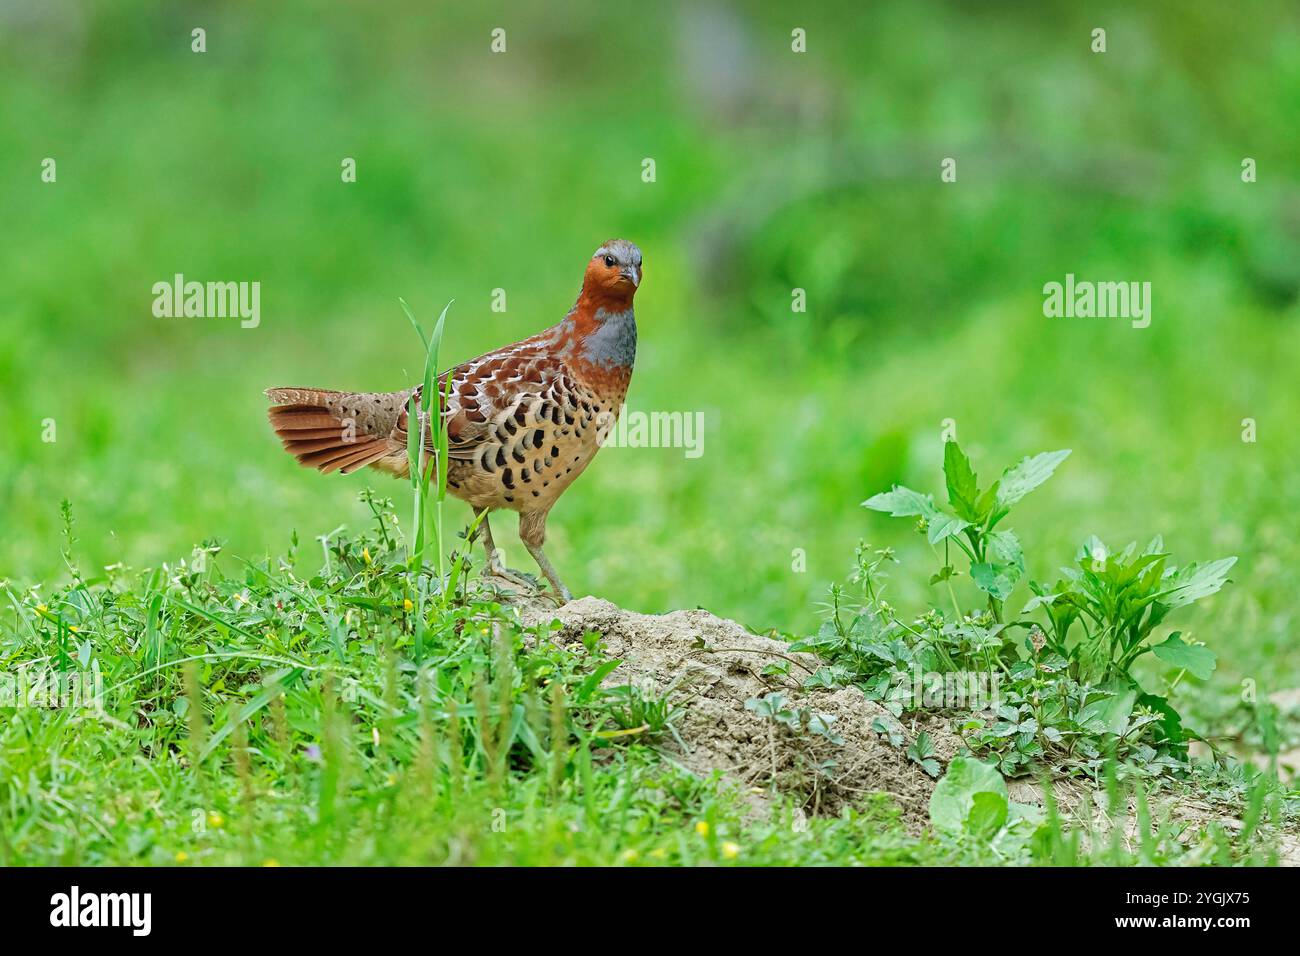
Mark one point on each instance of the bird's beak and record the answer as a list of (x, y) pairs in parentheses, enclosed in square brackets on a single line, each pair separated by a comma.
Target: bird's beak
[(632, 274)]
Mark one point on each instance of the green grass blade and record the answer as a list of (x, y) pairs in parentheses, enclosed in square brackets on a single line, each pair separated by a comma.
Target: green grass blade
[(278, 684)]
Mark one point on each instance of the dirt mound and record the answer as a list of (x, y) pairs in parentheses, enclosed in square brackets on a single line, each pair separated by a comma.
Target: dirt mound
[(714, 666)]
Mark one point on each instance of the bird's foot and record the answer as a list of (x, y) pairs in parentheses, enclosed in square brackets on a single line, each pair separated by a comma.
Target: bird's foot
[(519, 581), (559, 600), (529, 585)]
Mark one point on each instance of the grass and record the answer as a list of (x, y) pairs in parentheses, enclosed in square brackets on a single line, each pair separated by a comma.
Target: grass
[(288, 722), (265, 716)]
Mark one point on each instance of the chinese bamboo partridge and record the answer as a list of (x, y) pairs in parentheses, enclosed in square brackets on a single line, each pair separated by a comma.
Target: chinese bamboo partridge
[(522, 422)]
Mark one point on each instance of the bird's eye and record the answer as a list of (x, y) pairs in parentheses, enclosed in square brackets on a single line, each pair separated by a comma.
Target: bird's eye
[(609, 262)]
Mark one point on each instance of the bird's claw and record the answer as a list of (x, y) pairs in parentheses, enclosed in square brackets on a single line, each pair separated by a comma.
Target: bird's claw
[(530, 585), (517, 579), (558, 599)]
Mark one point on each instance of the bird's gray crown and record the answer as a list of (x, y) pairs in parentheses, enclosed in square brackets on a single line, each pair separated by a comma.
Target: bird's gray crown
[(625, 253)]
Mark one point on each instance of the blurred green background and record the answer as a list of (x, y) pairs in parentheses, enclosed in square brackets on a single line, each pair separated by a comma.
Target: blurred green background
[(775, 170)]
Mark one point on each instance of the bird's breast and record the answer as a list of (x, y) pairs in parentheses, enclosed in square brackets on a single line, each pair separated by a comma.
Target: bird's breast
[(601, 350)]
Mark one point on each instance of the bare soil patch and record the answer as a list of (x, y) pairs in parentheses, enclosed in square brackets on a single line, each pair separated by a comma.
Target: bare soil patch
[(714, 665)]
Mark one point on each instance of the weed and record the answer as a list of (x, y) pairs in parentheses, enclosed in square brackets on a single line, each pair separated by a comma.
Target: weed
[(635, 712), (1050, 686)]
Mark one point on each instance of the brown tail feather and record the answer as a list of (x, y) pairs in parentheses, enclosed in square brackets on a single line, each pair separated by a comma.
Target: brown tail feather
[(310, 424), (300, 448), (305, 397), (338, 456), (364, 457), (307, 434), (302, 418)]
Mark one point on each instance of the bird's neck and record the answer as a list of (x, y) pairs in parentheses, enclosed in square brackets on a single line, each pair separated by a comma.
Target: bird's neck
[(599, 336)]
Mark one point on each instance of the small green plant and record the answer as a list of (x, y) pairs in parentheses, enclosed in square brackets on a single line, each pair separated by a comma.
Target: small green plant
[(971, 804), (424, 416), (976, 820), (1053, 683), (996, 560), (921, 753), (636, 712), (775, 707), (1117, 600)]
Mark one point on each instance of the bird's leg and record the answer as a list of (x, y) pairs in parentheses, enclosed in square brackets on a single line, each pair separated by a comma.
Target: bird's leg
[(494, 566), (551, 575), (532, 531)]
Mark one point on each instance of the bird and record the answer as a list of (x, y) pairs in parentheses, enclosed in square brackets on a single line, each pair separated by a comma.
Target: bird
[(522, 421)]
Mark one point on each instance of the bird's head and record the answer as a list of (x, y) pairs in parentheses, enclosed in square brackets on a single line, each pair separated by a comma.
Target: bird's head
[(614, 271)]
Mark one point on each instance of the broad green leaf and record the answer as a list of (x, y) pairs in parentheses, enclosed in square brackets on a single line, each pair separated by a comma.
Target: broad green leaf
[(1113, 710), (1170, 722), (902, 502), (954, 795), (987, 501), (824, 677), (1196, 660), (867, 626), (997, 580), (944, 525), (1037, 601), (1024, 811), (1006, 546), (988, 814), (875, 650), (922, 747), (1027, 474), (1195, 581), (963, 488)]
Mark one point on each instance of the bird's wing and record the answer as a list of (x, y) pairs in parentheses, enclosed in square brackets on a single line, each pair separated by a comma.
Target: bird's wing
[(491, 398)]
